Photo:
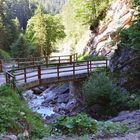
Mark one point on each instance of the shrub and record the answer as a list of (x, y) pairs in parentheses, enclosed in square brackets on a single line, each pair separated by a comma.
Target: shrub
[(75, 125), (98, 89), (82, 124), (22, 48), (134, 100), (130, 37), (91, 57), (108, 128)]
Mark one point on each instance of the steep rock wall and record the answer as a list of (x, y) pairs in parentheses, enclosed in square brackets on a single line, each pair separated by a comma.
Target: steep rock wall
[(126, 64), (104, 38)]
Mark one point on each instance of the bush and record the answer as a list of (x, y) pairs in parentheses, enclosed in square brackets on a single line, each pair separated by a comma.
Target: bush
[(108, 128), (21, 48), (134, 100), (75, 125), (15, 117), (130, 37), (98, 89)]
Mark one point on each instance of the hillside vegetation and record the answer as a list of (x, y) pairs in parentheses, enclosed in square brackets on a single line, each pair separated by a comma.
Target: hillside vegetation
[(16, 118)]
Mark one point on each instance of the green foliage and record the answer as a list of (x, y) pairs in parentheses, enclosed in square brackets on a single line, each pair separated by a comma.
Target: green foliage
[(75, 125), (108, 128), (100, 90), (4, 55), (44, 30), (91, 57), (19, 9), (21, 48), (78, 15), (91, 11), (8, 28), (81, 124), (15, 117), (130, 37), (134, 100)]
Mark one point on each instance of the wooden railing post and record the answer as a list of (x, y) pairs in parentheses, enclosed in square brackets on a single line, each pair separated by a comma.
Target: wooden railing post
[(1, 64), (106, 63), (74, 69), (46, 59), (88, 67), (25, 77), (58, 67), (17, 62), (39, 73), (33, 61), (70, 59), (90, 63), (74, 57), (59, 60)]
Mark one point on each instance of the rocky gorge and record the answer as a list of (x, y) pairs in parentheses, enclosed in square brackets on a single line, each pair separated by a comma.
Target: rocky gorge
[(53, 102)]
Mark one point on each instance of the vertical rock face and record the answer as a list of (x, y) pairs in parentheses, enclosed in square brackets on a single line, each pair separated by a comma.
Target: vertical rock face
[(126, 63), (104, 40)]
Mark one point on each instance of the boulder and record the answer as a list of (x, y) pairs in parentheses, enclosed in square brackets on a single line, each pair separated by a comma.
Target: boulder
[(126, 62), (64, 98)]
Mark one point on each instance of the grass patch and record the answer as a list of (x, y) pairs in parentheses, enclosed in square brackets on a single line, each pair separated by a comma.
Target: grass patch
[(16, 117)]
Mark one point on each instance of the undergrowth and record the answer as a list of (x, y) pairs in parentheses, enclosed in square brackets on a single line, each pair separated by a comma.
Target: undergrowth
[(16, 117), (81, 124)]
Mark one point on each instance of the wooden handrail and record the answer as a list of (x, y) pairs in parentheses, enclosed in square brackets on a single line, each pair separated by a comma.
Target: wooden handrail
[(33, 61), (24, 74)]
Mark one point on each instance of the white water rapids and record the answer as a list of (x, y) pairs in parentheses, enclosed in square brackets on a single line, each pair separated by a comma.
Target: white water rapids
[(35, 102)]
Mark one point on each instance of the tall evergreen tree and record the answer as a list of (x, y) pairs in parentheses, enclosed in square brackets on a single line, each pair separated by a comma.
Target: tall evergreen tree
[(1, 24), (44, 30)]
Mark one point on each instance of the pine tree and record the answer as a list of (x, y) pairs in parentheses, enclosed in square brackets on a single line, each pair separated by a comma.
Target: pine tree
[(43, 31)]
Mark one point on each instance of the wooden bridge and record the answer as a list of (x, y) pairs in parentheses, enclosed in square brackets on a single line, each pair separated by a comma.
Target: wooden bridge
[(38, 75), (33, 61)]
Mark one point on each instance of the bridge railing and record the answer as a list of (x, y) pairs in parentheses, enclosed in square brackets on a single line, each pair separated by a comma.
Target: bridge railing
[(34, 61), (1, 65), (54, 71)]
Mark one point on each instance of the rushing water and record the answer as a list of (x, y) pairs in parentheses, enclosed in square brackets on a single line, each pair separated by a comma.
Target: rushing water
[(35, 102)]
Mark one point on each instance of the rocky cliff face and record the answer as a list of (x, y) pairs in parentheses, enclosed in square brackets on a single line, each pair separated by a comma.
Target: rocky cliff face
[(104, 38), (126, 63)]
